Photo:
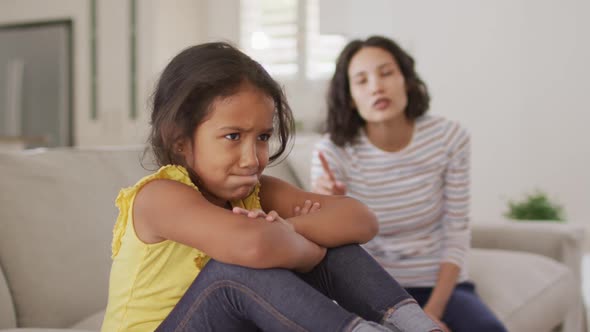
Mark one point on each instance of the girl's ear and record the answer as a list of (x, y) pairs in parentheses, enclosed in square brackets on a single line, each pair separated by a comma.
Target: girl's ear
[(183, 149), (181, 146), (178, 146)]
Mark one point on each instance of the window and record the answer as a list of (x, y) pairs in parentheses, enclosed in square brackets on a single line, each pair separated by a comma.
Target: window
[(283, 35)]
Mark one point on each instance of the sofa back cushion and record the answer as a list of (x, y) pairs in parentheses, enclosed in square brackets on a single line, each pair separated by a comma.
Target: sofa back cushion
[(282, 170), (56, 217), (300, 158)]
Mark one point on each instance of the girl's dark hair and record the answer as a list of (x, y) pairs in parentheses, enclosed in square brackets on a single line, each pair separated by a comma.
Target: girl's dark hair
[(344, 121), (192, 81)]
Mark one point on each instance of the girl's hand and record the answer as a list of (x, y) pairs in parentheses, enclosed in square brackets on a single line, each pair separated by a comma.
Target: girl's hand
[(272, 216), (285, 222), (314, 253), (327, 184), (257, 213), (308, 207)]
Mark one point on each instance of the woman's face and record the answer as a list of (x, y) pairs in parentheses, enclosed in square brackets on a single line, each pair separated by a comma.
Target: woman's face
[(230, 149), (377, 85)]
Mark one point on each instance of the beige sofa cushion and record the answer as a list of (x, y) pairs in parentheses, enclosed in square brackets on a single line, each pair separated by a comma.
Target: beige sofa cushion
[(46, 196), (282, 170), (56, 215), (7, 315), (529, 292)]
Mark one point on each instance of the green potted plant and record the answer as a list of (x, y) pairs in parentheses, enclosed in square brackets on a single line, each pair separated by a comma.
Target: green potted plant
[(535, 206)]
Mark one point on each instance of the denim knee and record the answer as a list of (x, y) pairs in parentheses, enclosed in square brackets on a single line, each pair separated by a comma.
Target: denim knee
[(349, 250), (216, 271)]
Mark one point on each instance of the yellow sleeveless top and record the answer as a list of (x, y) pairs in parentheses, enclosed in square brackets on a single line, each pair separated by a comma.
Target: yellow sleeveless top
[(147, 280)]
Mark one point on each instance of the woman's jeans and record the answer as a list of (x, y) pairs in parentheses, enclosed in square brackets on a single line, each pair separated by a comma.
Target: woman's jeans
[(232, 298)]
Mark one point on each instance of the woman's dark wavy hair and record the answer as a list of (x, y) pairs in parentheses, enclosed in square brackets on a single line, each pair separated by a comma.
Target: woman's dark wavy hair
[(192, 81), (343, 121)]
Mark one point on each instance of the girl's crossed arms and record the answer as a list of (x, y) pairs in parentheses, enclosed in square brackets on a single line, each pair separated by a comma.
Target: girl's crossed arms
[(299, 243)]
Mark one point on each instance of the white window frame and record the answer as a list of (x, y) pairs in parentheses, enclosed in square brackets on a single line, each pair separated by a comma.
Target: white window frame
[(303, 58)]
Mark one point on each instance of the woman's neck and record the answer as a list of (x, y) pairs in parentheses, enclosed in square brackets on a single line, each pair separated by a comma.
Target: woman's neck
[(392, 135)]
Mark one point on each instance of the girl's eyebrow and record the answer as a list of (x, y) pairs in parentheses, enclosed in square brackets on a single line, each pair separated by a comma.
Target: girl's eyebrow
[(240, 129)]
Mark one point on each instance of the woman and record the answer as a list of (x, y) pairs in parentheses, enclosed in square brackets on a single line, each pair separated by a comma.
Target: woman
[(411, 169)]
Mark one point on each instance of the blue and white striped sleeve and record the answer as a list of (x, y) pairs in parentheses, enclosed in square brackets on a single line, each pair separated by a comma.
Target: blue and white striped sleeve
[(457, 234)]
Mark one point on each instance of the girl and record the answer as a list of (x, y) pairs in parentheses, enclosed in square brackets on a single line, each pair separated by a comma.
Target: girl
[(194, 249), (411, 169)]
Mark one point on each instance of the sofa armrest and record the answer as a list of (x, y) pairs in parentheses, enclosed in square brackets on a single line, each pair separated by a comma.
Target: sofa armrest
[(7, 314), (561, 241)]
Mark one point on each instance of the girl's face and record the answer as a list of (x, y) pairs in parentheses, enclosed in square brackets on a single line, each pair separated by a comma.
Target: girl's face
[(230, 149), (377, 85)]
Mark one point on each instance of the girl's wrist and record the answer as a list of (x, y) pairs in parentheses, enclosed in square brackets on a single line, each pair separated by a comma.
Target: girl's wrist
[(295, 224)]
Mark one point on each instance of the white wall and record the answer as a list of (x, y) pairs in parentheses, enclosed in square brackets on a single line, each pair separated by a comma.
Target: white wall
[(513, 72), (516, 73)]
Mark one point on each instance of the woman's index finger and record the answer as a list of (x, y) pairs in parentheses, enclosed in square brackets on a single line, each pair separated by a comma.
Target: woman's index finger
[(326, 166)]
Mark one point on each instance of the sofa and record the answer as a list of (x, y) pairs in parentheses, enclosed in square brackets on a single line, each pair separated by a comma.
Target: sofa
[(57, 212)]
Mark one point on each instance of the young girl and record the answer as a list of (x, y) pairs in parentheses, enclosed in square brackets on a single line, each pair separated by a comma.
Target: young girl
[(411, 169), (207, 243)]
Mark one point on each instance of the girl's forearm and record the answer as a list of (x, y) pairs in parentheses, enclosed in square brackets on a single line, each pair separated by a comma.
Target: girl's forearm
[(279, 247), (350, 222)]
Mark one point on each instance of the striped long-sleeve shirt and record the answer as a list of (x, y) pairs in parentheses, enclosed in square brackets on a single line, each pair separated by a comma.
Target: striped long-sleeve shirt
[(420, 195)]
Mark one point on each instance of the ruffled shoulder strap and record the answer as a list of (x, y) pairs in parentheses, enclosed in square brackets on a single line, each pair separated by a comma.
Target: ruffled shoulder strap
[(126, 196)]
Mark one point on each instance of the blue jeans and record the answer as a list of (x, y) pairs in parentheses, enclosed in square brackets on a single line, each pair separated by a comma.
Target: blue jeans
[(227, 297), (465, 312)]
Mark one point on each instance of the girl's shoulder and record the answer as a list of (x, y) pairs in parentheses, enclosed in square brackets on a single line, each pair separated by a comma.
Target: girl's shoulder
[(168, 172), (126, 197)]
